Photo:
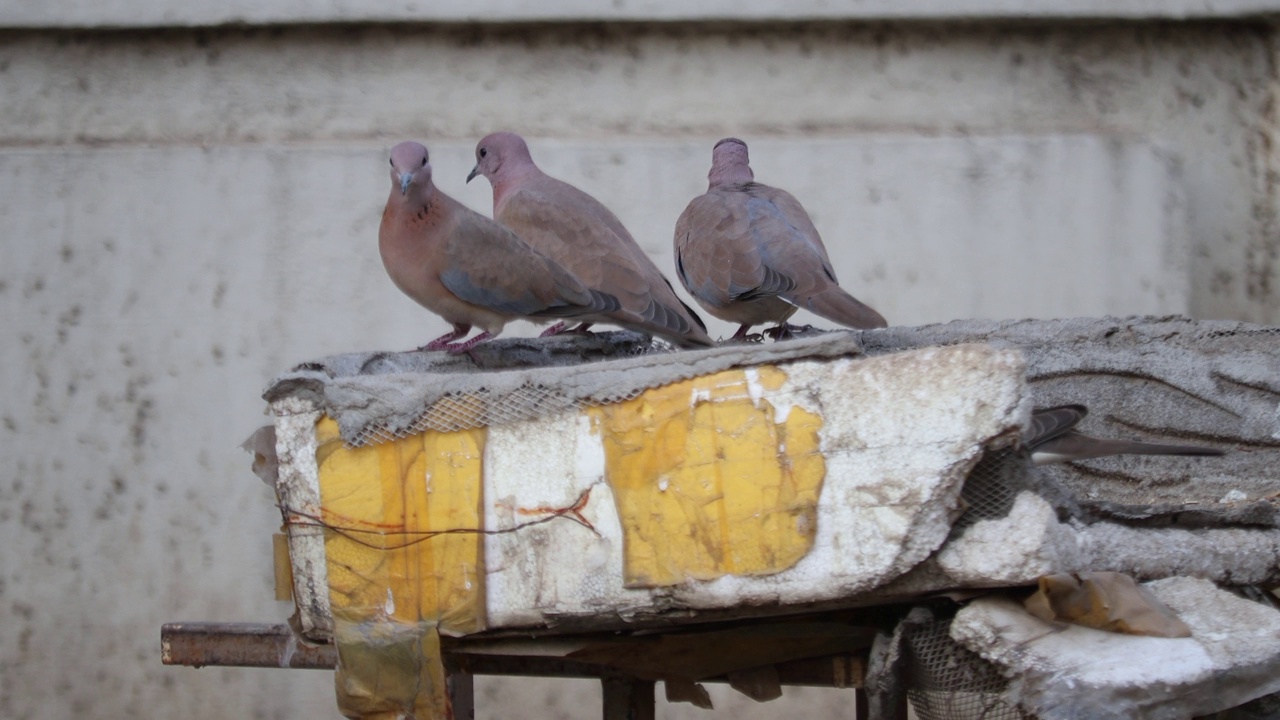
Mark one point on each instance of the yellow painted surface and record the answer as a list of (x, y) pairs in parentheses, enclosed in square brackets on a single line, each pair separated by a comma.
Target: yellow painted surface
[(283, 567), (708, 483), (396, 580), (387, 504)]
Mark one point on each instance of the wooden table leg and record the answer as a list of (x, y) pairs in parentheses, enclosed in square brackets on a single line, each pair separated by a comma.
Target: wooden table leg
[(462, 695), (861, 709), (628, 699)]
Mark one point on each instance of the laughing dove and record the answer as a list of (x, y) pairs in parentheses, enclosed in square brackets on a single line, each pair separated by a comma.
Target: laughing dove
[(749, 254), (575, 230), (463, 266), (1053, 439)]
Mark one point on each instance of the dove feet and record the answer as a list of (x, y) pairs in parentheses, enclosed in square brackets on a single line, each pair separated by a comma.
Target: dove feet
[(465, 347), (554, 329), (782, 331), (786, 331), (442, 342), (561, 328)]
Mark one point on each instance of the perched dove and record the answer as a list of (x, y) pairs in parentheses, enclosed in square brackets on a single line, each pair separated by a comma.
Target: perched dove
[(1052, 439), (575, 230), (466, 268), (749, 254)]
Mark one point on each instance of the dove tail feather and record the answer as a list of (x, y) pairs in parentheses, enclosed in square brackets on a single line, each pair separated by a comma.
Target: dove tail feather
[(697, 319), (666, 322), (695, 316), (1072, 446), (839, 306)]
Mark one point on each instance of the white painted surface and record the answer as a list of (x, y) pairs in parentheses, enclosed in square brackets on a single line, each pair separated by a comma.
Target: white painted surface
[(297, 487), (91, 13), (891, 487)]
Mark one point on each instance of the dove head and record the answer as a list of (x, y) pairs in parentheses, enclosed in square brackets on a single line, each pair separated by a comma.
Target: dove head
[(729, 164), (410, 169), (501, 157)]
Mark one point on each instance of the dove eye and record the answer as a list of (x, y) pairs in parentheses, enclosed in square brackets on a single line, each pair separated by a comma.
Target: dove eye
[(483, 152), (391, 162), (424, 162)]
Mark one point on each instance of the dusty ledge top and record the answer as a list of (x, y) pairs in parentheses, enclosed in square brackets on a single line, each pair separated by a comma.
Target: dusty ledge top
[(509, 379)]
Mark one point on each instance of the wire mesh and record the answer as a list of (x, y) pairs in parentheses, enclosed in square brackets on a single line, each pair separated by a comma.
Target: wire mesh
[(484, 408), (461, 411), (992, 486), (946, 681)]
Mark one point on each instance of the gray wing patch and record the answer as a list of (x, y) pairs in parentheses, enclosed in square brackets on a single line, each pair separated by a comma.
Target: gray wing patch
[(459, 283), (773, 283), (526, 303), (604, 302), (663, 316)]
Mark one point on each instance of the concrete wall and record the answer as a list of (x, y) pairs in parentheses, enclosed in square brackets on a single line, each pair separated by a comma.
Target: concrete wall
[(172, 13), (187, 211)]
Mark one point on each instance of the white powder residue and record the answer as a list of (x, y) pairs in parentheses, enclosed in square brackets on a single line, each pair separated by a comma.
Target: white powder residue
[(699, 395), (589, 456), (754, 389)]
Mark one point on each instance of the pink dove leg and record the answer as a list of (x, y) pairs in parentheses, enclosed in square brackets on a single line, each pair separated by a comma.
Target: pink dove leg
[(442, 342), (561, 327), (459, 348)]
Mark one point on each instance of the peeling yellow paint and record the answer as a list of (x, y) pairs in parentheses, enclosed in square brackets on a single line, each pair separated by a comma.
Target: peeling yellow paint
[(708, 483), (395, 580)]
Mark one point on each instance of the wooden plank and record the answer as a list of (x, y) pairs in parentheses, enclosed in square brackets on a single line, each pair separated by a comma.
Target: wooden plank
[(262, 645)]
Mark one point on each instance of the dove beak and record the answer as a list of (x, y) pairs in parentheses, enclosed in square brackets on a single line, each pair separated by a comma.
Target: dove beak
[(405, 179), (474, 172)]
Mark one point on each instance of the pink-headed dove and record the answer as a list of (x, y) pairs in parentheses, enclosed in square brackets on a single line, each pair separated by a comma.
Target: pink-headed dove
[(580, 233), (466, 268), (1053, 439), (749, 254)]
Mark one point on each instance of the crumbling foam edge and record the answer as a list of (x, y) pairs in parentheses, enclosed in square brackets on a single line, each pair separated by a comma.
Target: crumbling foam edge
[(298, 488), (1031, 541)]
